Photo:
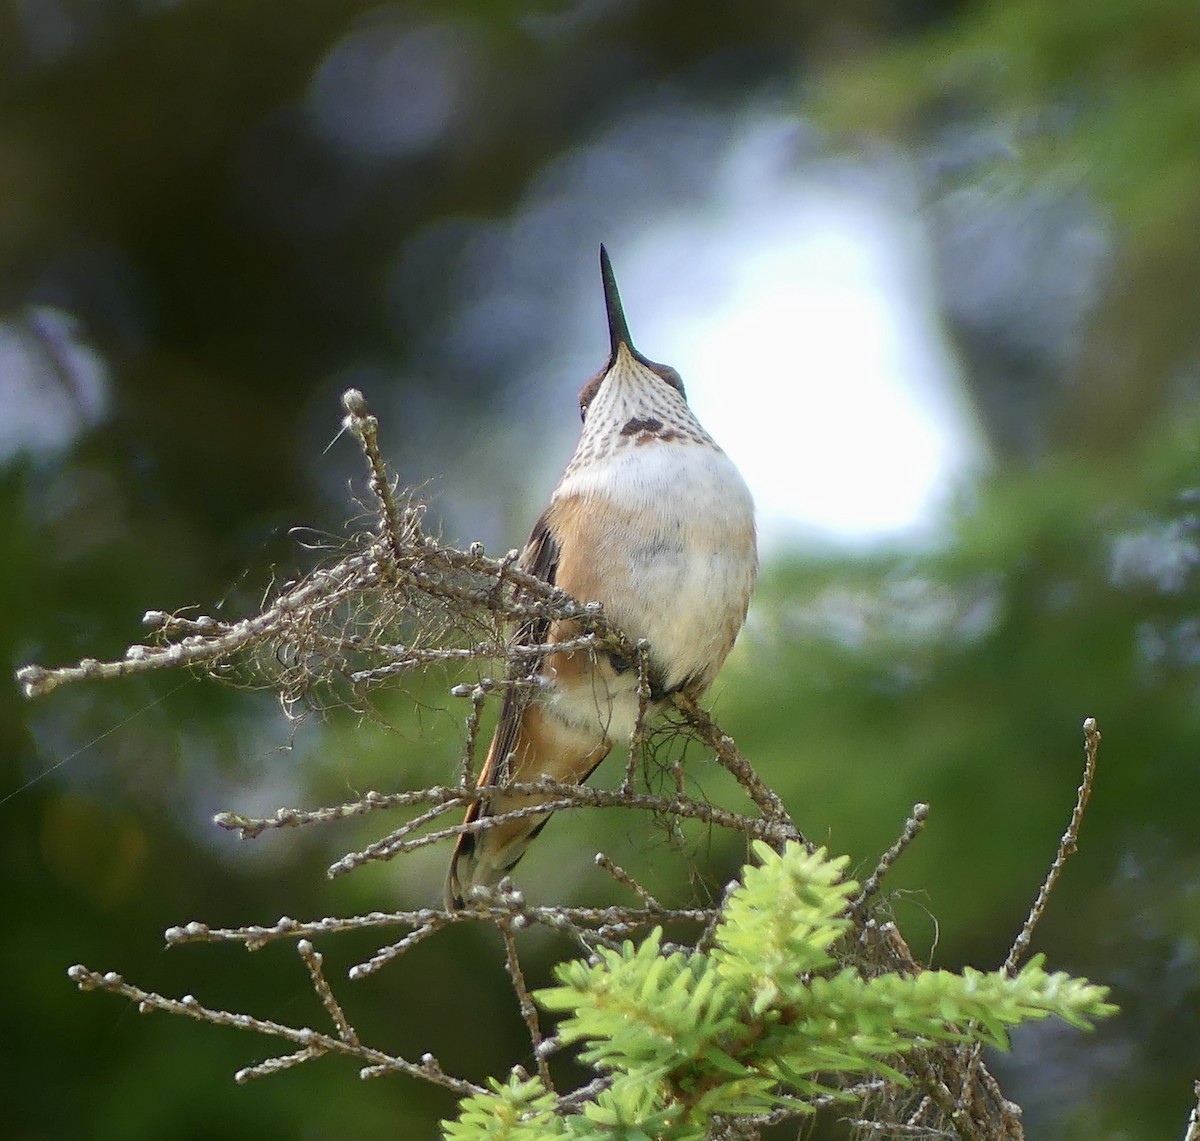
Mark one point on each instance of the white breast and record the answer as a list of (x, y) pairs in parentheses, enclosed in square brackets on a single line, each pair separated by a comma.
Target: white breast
[(681, 552)]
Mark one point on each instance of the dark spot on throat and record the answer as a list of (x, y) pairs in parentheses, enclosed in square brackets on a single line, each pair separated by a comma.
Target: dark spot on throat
[(636, 424)]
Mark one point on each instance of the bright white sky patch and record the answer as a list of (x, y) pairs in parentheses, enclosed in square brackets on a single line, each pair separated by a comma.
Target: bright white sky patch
[(793, 292), (817, 363)]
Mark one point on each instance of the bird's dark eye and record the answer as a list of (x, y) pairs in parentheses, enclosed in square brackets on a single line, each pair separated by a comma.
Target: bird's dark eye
[(588, 393)]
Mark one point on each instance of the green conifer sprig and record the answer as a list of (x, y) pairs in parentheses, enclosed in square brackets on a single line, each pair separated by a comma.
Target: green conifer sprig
[(521, 1109), (762, 1021)]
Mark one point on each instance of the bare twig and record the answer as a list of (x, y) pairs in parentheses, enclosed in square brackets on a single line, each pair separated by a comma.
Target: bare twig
[(314, 961), (637, 739), (365, 428), (395, 600), (912, 826), (623, 877), (1192, 1132), (394, 950), (1066, 847), (312, 1043), (957, 1087), (251, 826), (569, 919), (549, 796), (766, 799), (223, 639), (900, 1129), (467, 769), (529, 1013)]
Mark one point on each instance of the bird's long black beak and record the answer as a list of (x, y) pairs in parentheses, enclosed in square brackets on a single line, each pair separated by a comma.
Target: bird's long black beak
[(618, 328)]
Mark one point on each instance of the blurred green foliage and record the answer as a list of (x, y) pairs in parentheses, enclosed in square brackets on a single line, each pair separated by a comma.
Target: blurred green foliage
[(1106, 92)]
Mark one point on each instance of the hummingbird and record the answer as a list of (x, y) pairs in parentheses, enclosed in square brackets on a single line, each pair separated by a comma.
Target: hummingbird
[(652, 520)]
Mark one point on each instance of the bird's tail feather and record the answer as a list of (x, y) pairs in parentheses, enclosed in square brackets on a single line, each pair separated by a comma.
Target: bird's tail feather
[(483, 857)]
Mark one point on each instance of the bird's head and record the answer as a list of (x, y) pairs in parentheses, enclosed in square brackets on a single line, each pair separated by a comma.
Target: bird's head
[(624, 361)]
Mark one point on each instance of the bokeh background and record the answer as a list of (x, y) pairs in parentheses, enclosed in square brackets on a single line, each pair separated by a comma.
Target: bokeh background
[(930, 271)]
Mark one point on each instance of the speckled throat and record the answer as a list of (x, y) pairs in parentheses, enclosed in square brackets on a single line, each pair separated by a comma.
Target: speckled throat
[(634, 407)]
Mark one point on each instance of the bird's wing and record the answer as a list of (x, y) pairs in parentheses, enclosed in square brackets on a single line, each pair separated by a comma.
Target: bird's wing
[(540, 559), (524, 745)]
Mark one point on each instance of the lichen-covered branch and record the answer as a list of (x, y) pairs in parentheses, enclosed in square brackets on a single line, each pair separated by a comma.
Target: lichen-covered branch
[(312, 1043), (395, 601)]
